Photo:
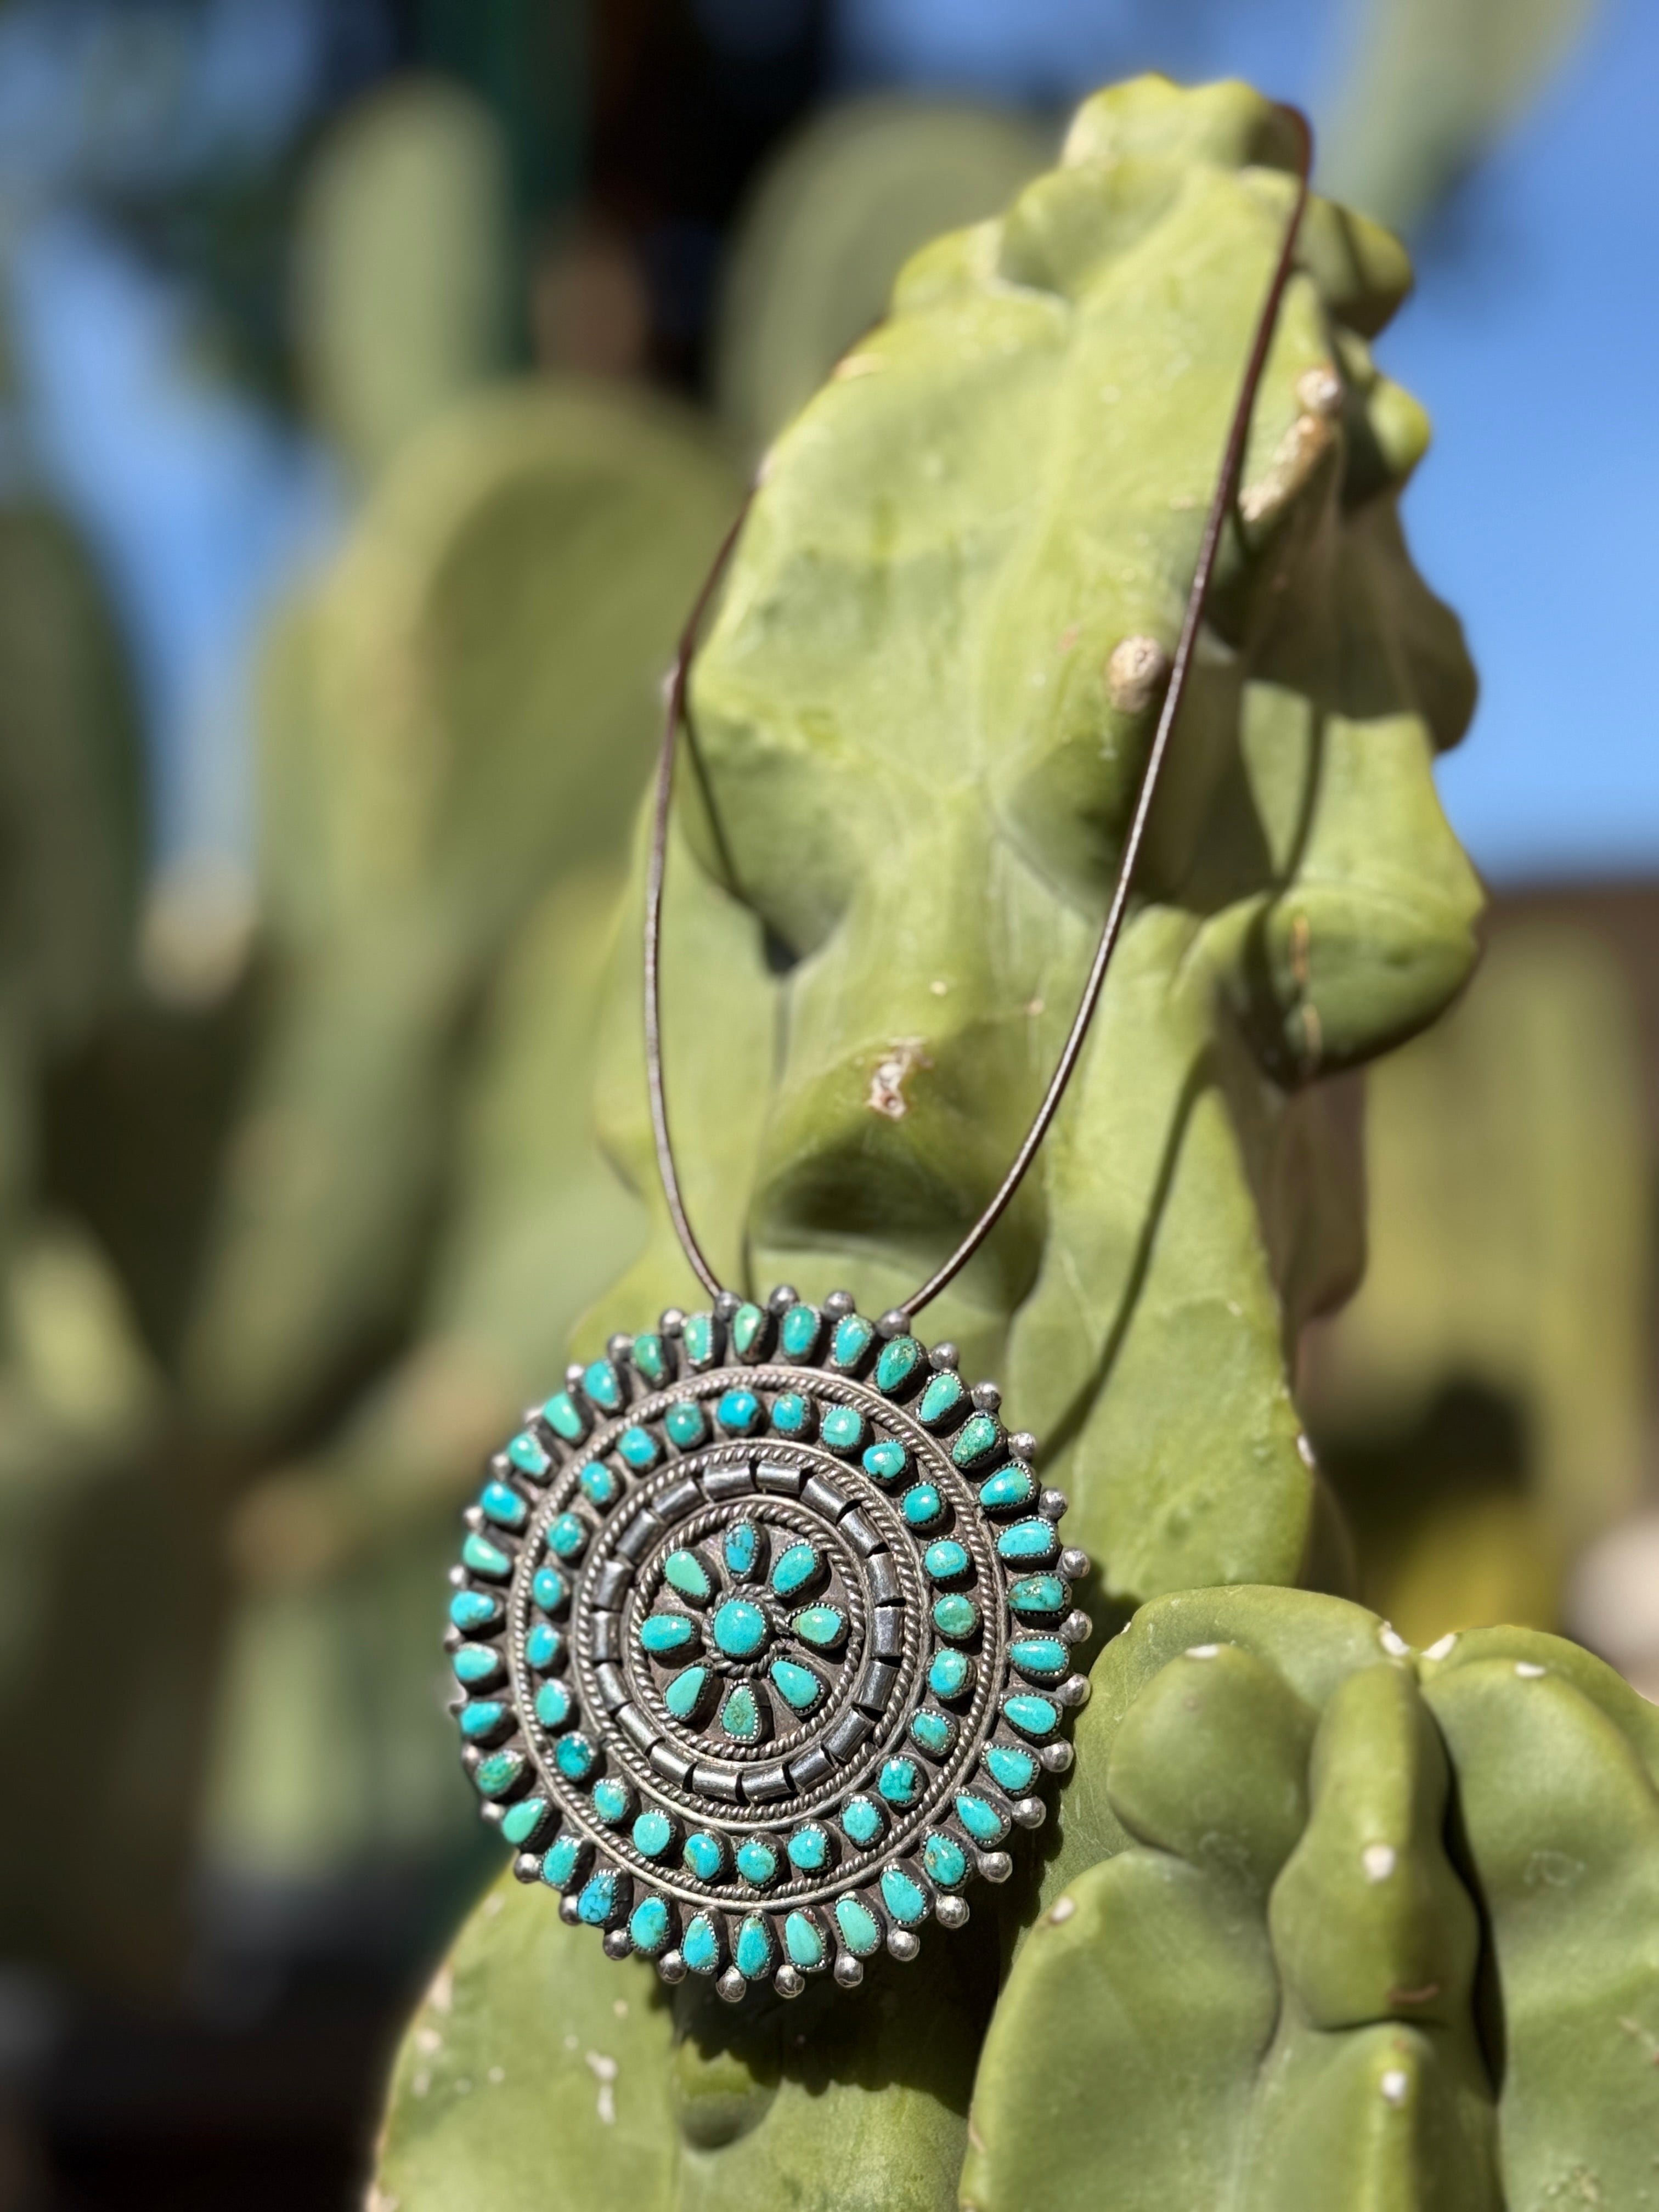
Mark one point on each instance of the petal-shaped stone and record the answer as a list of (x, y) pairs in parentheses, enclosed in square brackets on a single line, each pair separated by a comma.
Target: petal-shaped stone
[(554, 1706), (599, 1484), (565, 1417), (482, 1718), (1013, 1484), (903, 1359), (1044, 1656), (700, 1946), (751, 1955), (934, 1732), (474, 1664), (799, 1333), (563, 1861), (550, 1589), (602, 1386), (495, 1775), (697, 1334), (648, 1926), (748, 1325), (662, 1632), (686, 1692), (822, 1626), (543, 1646), (978, 1439), (981, 1818), (904, 1897), (480, 1557), (799, 1687), (601, 1899), (471, 1610), (803, 1942), (942, 1401), (567, 1536), (685, 1572), (613, 1801), (740, 1628), (522, 1823), (740, 1716), (797, 1565), (1010, 1768), (853, 1337), (499, 1501), (1039, 1594), (944, 1861), (1034, 1717), (686, 1423), (528, 1454), (742, 1548), (650, 1357), (886, 1461), (1027, 1542), (860, 1930)]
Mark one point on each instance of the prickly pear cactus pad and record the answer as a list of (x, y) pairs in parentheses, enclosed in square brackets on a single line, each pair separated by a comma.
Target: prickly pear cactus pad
[(1273, 1967)]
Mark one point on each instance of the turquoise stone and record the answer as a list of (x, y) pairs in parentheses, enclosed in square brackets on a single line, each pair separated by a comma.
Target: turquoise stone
[(685, 1423), (742, 1549), (526, 1454), (613, 1801), (1045, 1657), (860, 1930), (809, 1849), (979, 1436), (499, 1503), (981, 1819), (495, 1775), (922, 1505), (853, 1337), (482, 1718), (903, 1359), (654, 1833), (661, 1632), (740, 1716), (640, 1448), (792, 1414), (747, 1326), (1038, 1594), (757, 1862), (886, 1461), (476, 1664), (934, 1732), (954, 1614), (704, 1855), (822, 1626), (651, 1358), (542, 1647), (944, 1860), (483, 1558), (565, 1417), (700, 1946), (1010, 1768), (1028, 1539), (1013, 1484), (797, 1565), (951, 1674), (752, 1953), (798, 1334), (576, 1758), (944, 1396), (597, 1902), (698, 1336), (803, 1942), (648, 1926), (946, 1561), (562, 1862), (740, 1628), (553, 1706), (843, 1429), (603, 1387), (473, 1609), (685, 1572), (522, 1823), (1034, 1716), (686, 1692), (864, 1822), (738, 1412), (599, 1484), (799, 1687), (903, 1896), (900, 1782), (550, 1589), (567, 1536)]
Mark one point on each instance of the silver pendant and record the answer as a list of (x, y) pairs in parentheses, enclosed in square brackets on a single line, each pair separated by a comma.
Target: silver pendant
[(764, 1631)]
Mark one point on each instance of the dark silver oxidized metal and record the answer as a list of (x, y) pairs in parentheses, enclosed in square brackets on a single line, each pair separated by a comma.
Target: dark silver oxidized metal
[(765, 1631)]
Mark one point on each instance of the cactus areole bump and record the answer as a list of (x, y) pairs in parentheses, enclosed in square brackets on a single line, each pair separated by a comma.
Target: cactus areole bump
[(762, 1624)]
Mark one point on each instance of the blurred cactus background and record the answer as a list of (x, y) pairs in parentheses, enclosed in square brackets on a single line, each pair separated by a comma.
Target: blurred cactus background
[(377, 378)]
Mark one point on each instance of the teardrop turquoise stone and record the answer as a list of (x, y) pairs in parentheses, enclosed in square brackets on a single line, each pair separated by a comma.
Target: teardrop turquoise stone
[(575, 1757), (822, 1626), (704, 1855), (797, 1565), (597, 1902), (903, 1359), (613, 1801), (747, 1323), (562, 1861), (803, 1942), (977, 1438), (550, 1589), (799, 1687), (860, 1930), (603, 1386), (651, 1358), (474, 1609), (526, 1454), (660, 1633), (742, 1547), (495, 1775), (922, 1505), (853, 1337), (1032, 1716), (598, 1485), (700, 1945), (951, 1674), (1028, 1539), (697, 1335), (1042, 1656), (483, 1718), (685, 1693), (567, 1536), (648, 1925), (981, 1819), (476, 1664), (483, 1558), (752, 1955), (553, 1707), (499, 1503), (521, 1823), (903, 1896), (740, 1716), (654, 1833), (1013, 1484), (565, 1417), (934, 1732), (940, 1399), (800, 1332), (886, 1461), (1038, 1594), (944, 1860), (1010, 1769), (685, 1572)]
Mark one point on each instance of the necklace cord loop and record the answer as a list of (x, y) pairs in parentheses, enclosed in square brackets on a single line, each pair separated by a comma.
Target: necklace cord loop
[(1221, 504)]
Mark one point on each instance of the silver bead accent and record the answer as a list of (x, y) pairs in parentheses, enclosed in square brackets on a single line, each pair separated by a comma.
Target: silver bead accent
[(839, 1304), (985, 1396), (850, 1971), (996, 1866), (902, 1944), (567, 1910), (1053, 1504), (945, 1355), (671, 1968), (732, 1986), (672, 1321), (1076, 1628), (1073, 1564), (894, 1322), (573, 1374), (952, 1912), (1056, 1756), (1022, 1445), (473, 1517), (526, 1866), (618, 1944), (726, 1304), (618, 1347), (1073, 1691), (457, 1578), (782, 1298), (1030, 1812), (789, 1981)]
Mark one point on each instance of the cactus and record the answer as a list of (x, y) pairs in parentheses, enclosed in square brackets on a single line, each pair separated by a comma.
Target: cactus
[(1326, 1922)]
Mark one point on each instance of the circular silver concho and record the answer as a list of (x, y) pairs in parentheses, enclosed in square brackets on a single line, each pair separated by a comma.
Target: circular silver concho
[(764, 1633)]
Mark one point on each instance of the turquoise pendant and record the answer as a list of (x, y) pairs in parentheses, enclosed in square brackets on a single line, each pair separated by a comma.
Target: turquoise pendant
[(755, 1601)]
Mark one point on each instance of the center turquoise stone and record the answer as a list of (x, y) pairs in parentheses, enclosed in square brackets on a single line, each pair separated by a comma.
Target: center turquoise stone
[(740, 1628)]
